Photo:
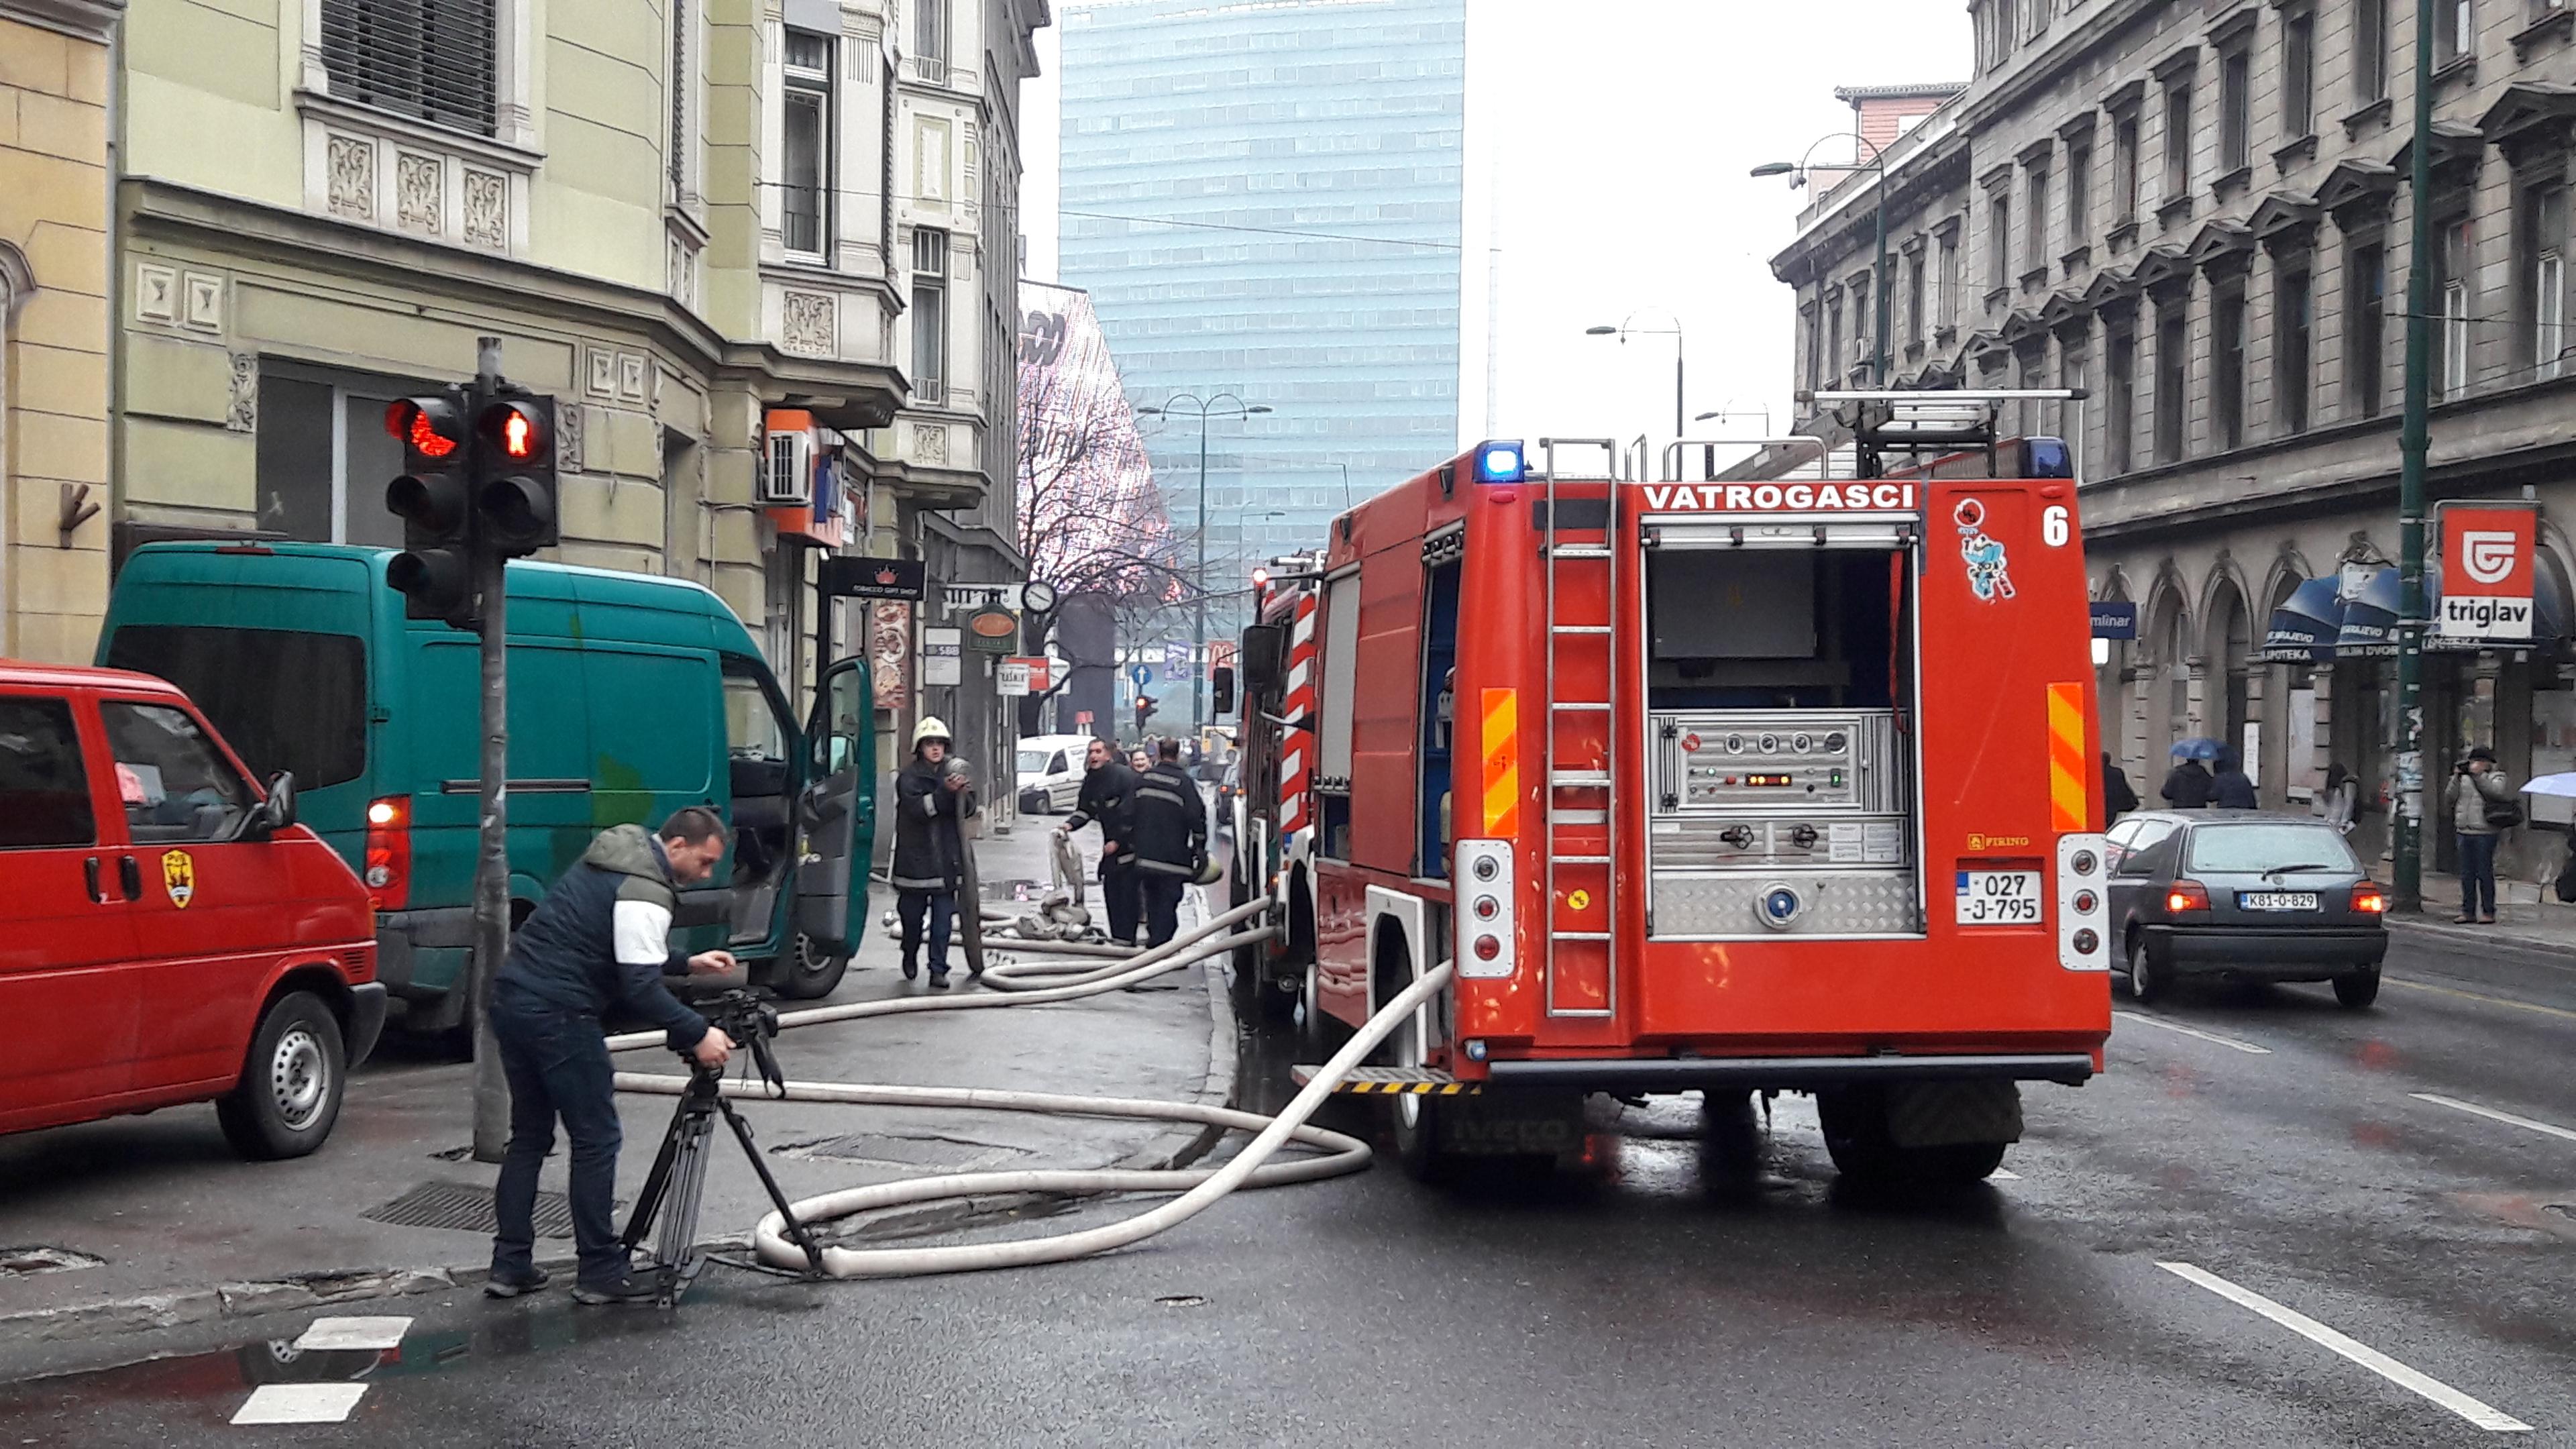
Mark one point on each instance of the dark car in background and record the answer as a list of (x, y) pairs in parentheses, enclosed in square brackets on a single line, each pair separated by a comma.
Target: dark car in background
[(2246, 894)]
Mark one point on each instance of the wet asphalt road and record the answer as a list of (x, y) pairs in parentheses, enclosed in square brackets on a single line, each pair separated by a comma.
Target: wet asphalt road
[(2284, 1150)]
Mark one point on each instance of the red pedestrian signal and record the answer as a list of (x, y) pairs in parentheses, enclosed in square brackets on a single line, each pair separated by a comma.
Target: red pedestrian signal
[(434, 499), (516, 491), (520, 433)]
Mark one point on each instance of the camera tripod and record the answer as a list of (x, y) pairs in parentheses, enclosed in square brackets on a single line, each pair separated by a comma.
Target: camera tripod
[(667, 1209)]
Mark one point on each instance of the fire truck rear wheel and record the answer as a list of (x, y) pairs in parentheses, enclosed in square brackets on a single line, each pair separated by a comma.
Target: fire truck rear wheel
[(1730, 1136), (1857, 1138)]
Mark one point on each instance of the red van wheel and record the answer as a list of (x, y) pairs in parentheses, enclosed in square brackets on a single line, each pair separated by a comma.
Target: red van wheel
[(291, 1083)]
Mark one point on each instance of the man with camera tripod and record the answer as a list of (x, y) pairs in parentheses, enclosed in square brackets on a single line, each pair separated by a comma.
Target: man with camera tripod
[(598, 946)]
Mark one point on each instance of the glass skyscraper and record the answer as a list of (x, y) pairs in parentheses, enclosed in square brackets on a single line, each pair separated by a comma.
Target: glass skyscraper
[(1263, 199)]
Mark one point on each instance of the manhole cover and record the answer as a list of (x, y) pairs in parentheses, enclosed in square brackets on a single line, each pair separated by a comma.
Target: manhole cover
[(20, 1262), (465, 1208)]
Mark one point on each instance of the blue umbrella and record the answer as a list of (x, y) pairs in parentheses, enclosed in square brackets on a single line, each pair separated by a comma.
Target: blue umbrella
[(2198, 749)]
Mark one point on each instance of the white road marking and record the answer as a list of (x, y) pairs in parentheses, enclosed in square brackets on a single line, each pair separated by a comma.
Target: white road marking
[(2484, 1415), (2004, 1174), (2491, 1114), (301, 1404), (2143, 1019), (375, 1333)]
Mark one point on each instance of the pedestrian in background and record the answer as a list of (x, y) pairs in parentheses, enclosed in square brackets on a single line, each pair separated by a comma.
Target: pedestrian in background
[(1106, 790), (933, 797), (1140, 760), (1168, 832), (2342, 797), (2482, 807), (2117, 798), (2232, 788), (2188, 787), (597, 946)]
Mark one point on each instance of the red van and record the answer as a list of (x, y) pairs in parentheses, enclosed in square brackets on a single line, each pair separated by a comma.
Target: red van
[(168, 933)]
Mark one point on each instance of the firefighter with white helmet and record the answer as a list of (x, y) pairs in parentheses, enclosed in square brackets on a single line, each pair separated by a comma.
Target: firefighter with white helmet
[(934, 796)]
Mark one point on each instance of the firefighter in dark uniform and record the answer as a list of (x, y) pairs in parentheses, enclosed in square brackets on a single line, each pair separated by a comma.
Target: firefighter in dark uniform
[(1167, 833), (1106, 789)]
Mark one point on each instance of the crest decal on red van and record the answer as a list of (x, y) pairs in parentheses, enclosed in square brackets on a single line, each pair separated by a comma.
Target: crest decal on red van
[(179, 877)]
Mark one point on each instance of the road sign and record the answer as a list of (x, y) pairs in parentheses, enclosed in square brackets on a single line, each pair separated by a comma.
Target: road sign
[(1038, 666), (1011, 678), (940, 652), (1140, 674)]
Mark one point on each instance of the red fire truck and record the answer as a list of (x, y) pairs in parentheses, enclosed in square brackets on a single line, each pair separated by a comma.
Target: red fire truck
[(1738, 784)]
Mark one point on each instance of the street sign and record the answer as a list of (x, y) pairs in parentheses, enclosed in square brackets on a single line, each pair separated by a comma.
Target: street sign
[(1082, 716), (992, 630), (2486, 570), (1011, 678), (1140, 674), (2115, 620), (1038, 668), (871, 578), (940, 652)]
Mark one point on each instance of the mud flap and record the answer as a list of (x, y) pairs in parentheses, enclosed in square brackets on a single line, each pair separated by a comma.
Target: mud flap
[(1938, 1114), (1510, 1124)]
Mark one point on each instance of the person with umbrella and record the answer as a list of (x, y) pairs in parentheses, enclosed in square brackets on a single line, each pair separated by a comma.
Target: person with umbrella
[(2562, 787), (2188, 786)]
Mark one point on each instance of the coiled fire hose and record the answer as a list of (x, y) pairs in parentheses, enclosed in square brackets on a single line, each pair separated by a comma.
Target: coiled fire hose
[(1023, 983)]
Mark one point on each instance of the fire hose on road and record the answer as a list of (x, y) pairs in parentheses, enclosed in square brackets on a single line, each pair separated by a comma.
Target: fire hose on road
[(1037, 982)]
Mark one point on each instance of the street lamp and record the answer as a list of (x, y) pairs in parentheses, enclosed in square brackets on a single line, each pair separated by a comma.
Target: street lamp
[(1878, 277), (1621, 332), (1202, 409)]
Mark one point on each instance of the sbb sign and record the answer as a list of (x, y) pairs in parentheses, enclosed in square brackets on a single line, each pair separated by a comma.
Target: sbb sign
[(2486, 571)]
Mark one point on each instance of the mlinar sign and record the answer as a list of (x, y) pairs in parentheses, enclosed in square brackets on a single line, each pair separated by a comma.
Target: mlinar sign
[(2486, 571)]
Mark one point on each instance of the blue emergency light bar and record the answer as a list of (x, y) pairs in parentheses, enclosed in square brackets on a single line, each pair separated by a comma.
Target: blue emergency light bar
[(2049, 458), (1501, 462)]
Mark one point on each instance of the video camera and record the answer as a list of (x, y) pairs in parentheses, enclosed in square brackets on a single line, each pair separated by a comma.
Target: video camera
[(745, 1016)]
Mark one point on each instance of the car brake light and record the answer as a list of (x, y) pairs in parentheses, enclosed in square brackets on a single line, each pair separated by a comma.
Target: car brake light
[(2187, 895), (388, 867), (2369, 899)]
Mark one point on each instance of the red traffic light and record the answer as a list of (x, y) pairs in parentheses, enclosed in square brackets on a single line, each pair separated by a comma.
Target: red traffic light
[(517, 432), (426, 425), (1261, 578)]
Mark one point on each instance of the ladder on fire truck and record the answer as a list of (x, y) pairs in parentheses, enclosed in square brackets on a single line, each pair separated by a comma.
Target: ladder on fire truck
[(1581, 741)]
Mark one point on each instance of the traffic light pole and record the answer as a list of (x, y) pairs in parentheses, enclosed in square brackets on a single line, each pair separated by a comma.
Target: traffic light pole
[(492, 815)]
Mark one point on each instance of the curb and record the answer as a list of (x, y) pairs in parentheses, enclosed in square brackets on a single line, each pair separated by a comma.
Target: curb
[(2506, 935)]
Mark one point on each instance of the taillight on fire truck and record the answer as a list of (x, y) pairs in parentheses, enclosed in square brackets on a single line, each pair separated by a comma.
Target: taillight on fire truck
[(1484, 930), (388, 867)]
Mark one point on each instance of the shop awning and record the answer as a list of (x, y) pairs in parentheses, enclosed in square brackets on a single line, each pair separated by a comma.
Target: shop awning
[(2304, 629), (2370, 619)]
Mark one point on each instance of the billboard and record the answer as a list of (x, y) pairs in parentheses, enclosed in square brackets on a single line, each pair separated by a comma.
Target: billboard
[(2486, 570)]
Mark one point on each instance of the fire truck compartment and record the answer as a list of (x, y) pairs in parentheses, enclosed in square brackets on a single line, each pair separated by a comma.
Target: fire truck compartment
[(1783, 779)]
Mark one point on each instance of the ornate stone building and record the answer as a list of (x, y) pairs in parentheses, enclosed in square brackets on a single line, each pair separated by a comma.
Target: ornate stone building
[(2198, 212)]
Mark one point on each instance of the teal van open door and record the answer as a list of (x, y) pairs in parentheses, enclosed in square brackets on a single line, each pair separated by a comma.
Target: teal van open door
[(836, 815)]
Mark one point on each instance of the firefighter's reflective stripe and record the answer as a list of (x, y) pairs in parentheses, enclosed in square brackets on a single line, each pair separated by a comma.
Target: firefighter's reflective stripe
[(2066, 763), (1296, 747), (1502, 754)]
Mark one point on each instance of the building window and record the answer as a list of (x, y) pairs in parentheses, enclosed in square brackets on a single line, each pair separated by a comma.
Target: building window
[(1834, 336), (2119, 396), (2451, 291), (2079, 193), (1952, 278), (2070, 376), (2299, 76), (2293, 322), (805, 210), (1914, 299), (1999, 241), (2370, 51), (321, 458), (678, 168), (2545, 276), (2455, 33), (432, 59), (2365, 271), (1864, 316), (2235, 112), (2036, 206), (930, 40), (2178, 141), (2173, 371), (2227, 363), (2124, 170), (929, 315), (1815, 349)]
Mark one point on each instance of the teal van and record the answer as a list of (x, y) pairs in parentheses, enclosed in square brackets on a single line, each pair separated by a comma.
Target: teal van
[(630, 697)]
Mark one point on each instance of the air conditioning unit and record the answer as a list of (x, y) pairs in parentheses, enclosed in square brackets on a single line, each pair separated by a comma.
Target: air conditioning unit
[(788, 478)]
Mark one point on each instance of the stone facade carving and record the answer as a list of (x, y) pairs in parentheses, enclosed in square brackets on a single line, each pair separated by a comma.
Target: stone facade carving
[(568, 432), (156, 292), (631, 375), (487, 210), (420, 193), (241, 415), (205, 302), (603, 372), (808, 324), (352, 170), (929, 443)]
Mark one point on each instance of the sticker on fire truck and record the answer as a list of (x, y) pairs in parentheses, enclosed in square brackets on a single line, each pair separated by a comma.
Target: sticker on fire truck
[(1998, 898), (1989, 576)]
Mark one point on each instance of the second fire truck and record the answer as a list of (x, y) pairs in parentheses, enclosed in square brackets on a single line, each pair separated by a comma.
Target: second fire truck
[(1729, 784)]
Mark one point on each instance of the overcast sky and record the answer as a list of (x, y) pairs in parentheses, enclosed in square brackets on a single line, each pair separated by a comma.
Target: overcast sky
[(1620, 132)]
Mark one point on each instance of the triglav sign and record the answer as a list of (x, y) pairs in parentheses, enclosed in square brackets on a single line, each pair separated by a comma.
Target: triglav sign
[(2486, 571)]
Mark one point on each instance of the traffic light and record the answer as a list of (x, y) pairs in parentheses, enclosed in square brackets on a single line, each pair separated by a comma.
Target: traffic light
[(1260, 580), (1144, 711), (515, 486), (435, 500)]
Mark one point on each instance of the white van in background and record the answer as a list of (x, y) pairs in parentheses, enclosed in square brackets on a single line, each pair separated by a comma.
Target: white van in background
[(1051, 770)]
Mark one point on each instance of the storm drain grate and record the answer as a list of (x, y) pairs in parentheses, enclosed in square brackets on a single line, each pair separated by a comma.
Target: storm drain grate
[(22, 1262), (465, 1208)]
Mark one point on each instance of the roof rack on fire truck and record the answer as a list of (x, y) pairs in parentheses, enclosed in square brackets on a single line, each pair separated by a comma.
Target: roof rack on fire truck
[(1916, 425)]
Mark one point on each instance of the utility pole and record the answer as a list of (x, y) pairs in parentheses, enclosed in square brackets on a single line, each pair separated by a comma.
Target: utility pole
[(1198, 665), (491, 813), (2413, 443)]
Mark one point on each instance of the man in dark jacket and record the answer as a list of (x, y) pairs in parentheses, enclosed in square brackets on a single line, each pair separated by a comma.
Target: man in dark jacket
[(2188, 787), (2232, 788), (1167, 832), (597, 947), (1106, 787), (2117, 798), (932, 798)]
